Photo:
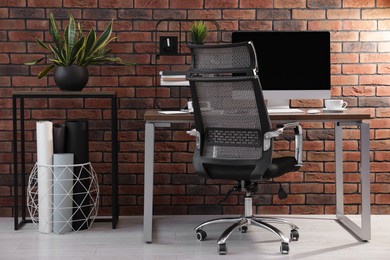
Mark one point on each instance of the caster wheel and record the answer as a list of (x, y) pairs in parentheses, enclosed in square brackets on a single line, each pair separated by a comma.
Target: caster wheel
[(284, 248), (294, 235), (243, 229), (222, 249), (201, 235)]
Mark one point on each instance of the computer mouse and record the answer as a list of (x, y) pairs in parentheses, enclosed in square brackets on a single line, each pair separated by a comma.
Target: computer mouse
[(313, 111)]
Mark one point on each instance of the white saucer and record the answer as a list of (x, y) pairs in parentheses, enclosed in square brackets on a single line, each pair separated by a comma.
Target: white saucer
[(341, 110)]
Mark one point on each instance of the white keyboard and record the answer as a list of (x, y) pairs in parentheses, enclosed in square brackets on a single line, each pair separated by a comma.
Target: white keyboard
[(283, 110)]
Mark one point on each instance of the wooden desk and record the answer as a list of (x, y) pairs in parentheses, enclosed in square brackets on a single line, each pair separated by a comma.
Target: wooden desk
[(348, 118)]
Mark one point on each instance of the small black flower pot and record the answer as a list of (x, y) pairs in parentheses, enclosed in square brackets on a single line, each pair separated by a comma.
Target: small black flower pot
[(72, 78)]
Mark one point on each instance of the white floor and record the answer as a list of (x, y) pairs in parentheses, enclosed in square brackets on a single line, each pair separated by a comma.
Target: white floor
[(321, 237)]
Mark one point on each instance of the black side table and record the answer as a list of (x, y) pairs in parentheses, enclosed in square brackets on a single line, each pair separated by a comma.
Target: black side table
[(22, 95)]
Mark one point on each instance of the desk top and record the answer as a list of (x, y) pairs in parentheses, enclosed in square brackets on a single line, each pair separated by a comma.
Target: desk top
[(348, 115)]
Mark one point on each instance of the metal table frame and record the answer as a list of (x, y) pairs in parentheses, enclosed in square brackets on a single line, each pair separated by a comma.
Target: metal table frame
[(22, 95), (363, 232)]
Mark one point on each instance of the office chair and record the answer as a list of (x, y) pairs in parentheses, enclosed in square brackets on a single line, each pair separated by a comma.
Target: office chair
[(233, 132)]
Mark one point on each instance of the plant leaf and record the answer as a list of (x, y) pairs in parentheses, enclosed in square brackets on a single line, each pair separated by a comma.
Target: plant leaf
[(76, 50), (34, 62), (45, 71), (40, 43), (104, 38), (54, 32)]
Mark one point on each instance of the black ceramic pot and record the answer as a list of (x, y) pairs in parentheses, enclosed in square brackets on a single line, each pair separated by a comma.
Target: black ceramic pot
[(72, 78)]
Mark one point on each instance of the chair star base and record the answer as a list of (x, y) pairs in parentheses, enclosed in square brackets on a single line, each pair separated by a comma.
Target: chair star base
[(242, 223)]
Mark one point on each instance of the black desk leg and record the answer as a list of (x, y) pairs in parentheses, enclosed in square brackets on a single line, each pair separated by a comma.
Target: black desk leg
[(114, 138), (15, 150), (23, 160)]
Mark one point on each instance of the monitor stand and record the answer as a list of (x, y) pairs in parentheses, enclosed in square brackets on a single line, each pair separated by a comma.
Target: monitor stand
[(281, 106)]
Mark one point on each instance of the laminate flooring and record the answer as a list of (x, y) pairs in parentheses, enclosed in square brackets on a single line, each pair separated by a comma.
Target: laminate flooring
[(321, 237)]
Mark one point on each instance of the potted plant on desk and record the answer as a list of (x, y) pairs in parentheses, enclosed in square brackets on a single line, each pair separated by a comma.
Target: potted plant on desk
[(73, 51), (199, 31)]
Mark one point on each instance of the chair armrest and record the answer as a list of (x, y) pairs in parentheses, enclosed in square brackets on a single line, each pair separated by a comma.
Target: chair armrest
[(298, 139), (195, 133)]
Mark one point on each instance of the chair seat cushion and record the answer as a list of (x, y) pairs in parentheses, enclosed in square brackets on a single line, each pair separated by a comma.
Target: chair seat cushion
[(280, 166)]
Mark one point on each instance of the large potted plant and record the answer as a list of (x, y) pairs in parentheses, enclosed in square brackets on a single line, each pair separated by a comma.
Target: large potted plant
[(199, 31), (72, 51)]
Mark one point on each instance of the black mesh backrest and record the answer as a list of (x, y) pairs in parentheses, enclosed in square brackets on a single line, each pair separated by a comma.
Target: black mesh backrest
[(236, 57), (229, 109)]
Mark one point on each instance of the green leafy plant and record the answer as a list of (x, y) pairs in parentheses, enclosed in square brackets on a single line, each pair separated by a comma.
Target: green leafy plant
[(75, 48), (198, 31)]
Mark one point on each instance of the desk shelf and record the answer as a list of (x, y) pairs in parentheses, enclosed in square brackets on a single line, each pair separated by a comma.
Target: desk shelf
[(21, 96)]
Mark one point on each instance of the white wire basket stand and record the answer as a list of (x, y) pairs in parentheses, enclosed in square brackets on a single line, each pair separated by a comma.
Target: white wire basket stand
[(63, 198)]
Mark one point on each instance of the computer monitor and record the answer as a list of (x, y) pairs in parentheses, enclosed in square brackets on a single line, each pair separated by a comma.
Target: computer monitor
[(292, 65)]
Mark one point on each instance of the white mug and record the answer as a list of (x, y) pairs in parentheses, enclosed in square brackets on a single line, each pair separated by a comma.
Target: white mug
[(335, 104)]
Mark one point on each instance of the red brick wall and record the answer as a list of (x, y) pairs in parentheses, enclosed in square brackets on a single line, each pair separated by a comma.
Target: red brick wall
[(360, 75)]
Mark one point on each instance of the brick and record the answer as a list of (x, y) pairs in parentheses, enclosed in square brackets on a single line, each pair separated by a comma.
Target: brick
[(382, 91), (382, 112), (344, 80), (170, 14), (273, 14), (211, 4), (382, 3), (12, 24), (151, 4), (382, 134), (324, 199), (202, 190), (13, 3), (24, 36), (290, 25), (343, 14), (359, 3), (374, 36), (239, 14), (380, 13), (306, 188), (187, 200), (312, 167), (382, 198), (379, 144), (135, 81), (324, 25), (179, 4), (308, 14), (344, 36), (374, 79), (99, 13), (291, 199), (256, 4), (115, 4), (372, 57), (134, 14), (323, 4), (80, 3), (359, 47), (380, 209), (359, 25), (48, 114), (347, 166), (379, 166), (383, 47), (29, 13), (255, 25), (359, 69), (358, 91), (289, 3)]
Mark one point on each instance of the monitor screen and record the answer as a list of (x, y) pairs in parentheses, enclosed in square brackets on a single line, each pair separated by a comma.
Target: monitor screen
[(291, 61)]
